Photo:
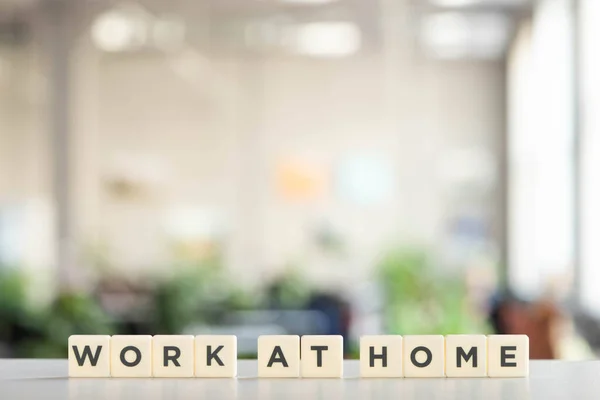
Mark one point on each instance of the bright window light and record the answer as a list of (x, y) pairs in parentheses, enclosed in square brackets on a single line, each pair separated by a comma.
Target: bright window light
[(541, 245), (326, 39), (590, 179)]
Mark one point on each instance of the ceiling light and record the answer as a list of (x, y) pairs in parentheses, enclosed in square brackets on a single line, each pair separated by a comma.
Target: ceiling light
[(476, 3), (113, 32), (121, 29), (326, 39), (472, 3), (455, 3), (458, 35), (446, 30), (309, 2)]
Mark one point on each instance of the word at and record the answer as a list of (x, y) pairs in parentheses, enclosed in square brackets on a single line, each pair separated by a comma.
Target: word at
[(391, 356)]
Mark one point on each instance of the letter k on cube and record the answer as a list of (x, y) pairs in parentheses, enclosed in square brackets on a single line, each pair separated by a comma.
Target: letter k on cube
[(216, 356)]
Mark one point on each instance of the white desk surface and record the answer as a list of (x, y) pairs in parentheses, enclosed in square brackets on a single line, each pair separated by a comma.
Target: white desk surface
[(47, 379)]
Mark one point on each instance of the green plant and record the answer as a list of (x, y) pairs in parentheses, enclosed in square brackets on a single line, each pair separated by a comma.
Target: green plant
[(176, 302), (418, 301), (14, 308), (43, 332), (197, 293), (290, 290), (69, 314)]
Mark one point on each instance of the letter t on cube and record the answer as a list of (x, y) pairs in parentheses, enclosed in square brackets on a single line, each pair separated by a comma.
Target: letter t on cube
[(322, 356)]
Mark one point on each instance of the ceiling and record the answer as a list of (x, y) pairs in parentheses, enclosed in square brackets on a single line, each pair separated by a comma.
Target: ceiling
[(476, 4), (257, 5), (9, 5), (224, 24)]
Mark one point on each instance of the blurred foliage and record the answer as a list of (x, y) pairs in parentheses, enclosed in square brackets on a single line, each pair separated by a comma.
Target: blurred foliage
[(42, 332), (418, 301), (69, 314), (198, 293), (289, 290), (13, 300)]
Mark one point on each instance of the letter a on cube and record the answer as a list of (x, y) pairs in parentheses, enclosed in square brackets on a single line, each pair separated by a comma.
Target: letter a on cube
[(279, 356), (89, 356)]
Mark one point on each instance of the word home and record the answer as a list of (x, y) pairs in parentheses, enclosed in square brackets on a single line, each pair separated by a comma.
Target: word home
[(289, 356), (453, 356)]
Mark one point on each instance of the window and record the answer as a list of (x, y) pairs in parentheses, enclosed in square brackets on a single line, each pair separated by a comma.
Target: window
[(540, 151), (590, 156)]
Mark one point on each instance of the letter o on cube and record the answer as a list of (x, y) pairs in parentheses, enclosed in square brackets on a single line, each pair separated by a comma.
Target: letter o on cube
[(424, 356), (131, 356)]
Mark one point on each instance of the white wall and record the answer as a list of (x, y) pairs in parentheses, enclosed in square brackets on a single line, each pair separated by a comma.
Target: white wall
[(219, 134), (22, 155), (211, 137), (26, 216)]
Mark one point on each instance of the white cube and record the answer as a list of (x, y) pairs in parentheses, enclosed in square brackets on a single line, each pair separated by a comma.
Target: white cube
[(508, 356), (279, 356), (381, 356), (131, 356), (89, 356), (466, 356), (322, 356), (173, 356), (424, 356), (216, 356)]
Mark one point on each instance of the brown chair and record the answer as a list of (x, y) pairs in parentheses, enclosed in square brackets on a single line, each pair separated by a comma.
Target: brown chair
[(538, 320)]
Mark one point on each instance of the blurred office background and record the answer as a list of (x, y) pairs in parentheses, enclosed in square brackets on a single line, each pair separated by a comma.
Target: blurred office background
[(299, 166)]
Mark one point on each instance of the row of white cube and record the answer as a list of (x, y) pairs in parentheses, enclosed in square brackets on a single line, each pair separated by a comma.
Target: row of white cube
[(279, 356)]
